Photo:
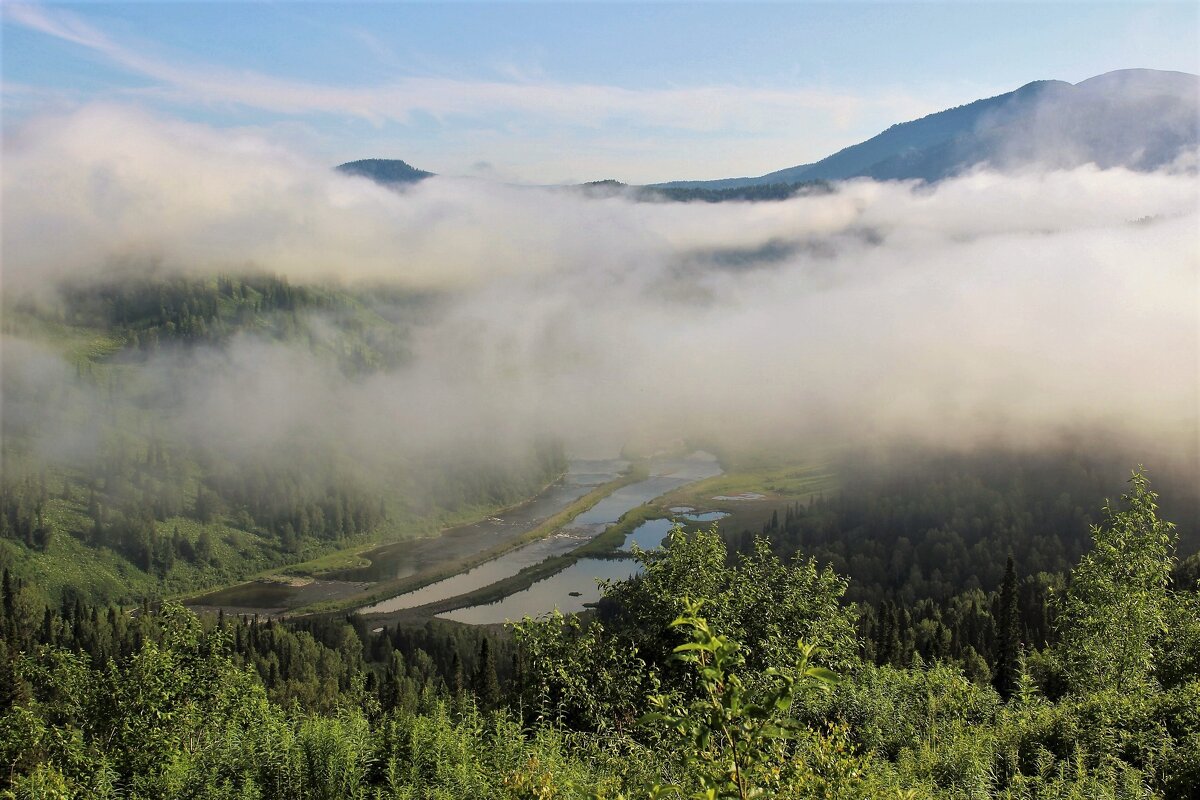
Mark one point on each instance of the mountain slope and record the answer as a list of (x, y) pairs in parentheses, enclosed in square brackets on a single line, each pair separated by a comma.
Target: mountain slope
[(1138, 118)]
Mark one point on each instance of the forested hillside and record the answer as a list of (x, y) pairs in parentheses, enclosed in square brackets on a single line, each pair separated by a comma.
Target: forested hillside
[(714, 675), (936, 542), (136, 463)]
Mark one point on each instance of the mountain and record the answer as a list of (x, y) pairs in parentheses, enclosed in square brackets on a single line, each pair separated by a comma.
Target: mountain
[(388, 171), (1137, 118)]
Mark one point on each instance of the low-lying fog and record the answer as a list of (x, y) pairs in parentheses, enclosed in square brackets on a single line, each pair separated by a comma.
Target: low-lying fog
[(998, 307)]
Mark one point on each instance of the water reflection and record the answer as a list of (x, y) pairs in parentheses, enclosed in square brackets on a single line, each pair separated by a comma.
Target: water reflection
[(406, 558), (649, 535), (707, 516), (568, 591), (665, 475)]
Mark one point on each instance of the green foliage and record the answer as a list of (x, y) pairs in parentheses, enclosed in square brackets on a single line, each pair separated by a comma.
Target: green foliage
[(734, 740), (1008, 633), (112, 488), (1176, 647), (1116, 604), (759, 600), (179, 718), (157, 703), (576, 674)]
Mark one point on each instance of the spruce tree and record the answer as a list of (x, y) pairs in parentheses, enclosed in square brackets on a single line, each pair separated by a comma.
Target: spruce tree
[(457, 678), (486, 684), (1008, 632)]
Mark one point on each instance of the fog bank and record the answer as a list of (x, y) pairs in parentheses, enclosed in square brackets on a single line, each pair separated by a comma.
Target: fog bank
[(992, 307)]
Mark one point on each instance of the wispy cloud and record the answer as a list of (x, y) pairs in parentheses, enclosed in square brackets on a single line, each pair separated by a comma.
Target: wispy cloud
[(707, 108)]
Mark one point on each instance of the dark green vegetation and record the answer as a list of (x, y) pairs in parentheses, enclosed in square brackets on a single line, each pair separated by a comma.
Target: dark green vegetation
[(142, 458), (764, 192), (388, 171), (717, 674), (783, 190)]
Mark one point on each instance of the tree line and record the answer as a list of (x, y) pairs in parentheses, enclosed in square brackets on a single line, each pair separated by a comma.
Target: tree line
[(717, 673)]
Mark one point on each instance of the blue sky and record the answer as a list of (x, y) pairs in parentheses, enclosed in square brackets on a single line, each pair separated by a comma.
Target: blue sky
[(567, 91)]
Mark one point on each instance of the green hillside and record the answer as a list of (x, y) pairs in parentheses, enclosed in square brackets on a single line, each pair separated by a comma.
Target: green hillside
[(112, 490)]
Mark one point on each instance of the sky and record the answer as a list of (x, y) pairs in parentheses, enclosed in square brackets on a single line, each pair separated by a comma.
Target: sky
[(566, 92)]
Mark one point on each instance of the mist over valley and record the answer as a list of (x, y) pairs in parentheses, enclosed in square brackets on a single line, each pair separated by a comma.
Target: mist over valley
[(871, 459)]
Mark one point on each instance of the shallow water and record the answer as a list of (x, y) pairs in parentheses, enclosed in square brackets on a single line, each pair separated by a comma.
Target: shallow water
[(550, 593), (649, 535), (406, 558), (411, 556), (487, 573), (610, 509), (664, 476), (707, 516), (742, 496)]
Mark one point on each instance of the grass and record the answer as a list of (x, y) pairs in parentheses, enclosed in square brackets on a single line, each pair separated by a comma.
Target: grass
[(69, 562), (782, 482), (342, 558)]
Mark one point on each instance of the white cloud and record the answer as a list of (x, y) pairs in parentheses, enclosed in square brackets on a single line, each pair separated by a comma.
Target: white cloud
[(800, 122)]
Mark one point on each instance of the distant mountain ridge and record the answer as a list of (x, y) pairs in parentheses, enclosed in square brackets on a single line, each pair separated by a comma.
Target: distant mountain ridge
[(1138, 118), (1142, 119)]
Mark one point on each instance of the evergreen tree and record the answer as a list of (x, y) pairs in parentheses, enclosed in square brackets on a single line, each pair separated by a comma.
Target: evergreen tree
[(486, 684), (1008, 628), (458, 682)]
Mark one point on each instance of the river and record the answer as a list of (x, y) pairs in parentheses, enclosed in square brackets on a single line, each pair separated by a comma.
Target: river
[(570, 589), (412, 556)]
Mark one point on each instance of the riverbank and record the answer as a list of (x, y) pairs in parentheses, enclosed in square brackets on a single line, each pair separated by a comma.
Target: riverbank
[(593, 529), (450, 568), (741, 500), (378, 571)]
